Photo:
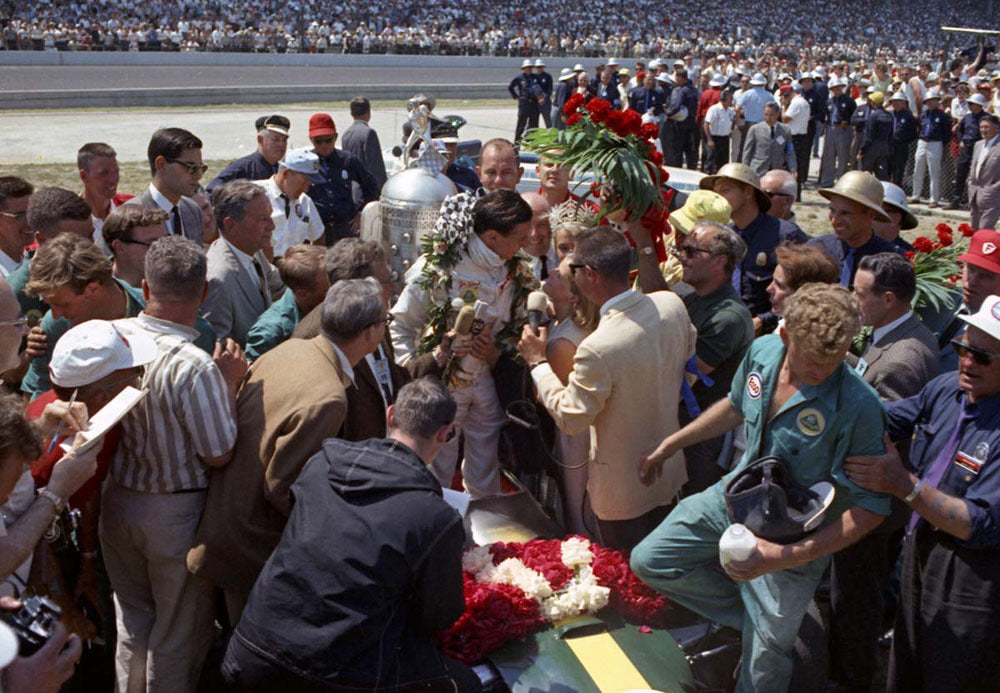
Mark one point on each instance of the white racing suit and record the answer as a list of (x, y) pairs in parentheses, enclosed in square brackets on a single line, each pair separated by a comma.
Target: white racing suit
[(480, 274)]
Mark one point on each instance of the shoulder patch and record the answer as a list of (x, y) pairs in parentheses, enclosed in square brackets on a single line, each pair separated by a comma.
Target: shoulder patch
[(755, 385)]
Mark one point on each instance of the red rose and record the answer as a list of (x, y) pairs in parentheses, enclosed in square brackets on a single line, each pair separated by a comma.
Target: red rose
[(966, 230), (599, 110), (573, 118), (655, 157), (616, 123), (573, 103), (649, 131), (943, 227), (631, 121), (910, 254), (923, 244), (944, 237)]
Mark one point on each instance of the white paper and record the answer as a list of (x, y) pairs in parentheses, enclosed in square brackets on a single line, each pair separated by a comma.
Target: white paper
[(104, 420), (458, 500)]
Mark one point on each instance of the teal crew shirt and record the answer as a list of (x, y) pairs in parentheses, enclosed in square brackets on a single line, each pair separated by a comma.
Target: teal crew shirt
[(815, 430), (273, 327), (32, 307), (36, 380)]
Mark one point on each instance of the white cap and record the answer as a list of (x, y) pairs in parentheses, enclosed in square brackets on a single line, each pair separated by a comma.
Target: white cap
[(899, 96), (539, 63), (931, 77), (665, 78), (871, 90), (797, 86), (933, 94), (820, 72), (679, 63), (758, 80), (526, 63), (578, 68), (837, 82), (717, 81), (565, 74), (612, 61), (653, 64), (304, 161), (987, 318), (977, 98), (95, 349)]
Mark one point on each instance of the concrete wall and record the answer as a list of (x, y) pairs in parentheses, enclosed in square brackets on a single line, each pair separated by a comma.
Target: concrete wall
[(240, 59), (200, 96)]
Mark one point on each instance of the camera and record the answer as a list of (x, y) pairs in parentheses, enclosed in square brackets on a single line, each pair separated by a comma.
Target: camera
[(33, 623)]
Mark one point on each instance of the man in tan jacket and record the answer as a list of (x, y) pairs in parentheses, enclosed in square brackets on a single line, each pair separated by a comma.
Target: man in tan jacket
[(625, 385), (292, 399)]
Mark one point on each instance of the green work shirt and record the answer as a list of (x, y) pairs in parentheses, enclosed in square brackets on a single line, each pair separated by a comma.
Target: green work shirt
[(816, 428), (36, 380), (32, 307), (725, 331), (274, 326)]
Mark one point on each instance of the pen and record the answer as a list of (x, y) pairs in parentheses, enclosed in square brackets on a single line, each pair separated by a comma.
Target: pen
[(55, 436)]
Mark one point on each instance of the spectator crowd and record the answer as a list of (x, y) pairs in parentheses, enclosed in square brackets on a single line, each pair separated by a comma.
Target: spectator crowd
[(265, 510), (629, 28)]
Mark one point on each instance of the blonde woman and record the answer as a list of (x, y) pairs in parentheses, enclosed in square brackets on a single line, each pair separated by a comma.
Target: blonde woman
[(566, 221), (574, 317)]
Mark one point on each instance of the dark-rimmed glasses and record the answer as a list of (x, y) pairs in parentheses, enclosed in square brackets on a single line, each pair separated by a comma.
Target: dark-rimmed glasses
[(193, 168), (980, 356)]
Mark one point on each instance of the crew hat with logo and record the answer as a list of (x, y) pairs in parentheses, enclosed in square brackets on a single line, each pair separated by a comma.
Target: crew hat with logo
[(987, 318), (984, 250), (275, 123), (95, 349), (303, 161)]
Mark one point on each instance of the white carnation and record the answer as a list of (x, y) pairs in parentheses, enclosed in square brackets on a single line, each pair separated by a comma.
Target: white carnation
[(576, 551), (581, 595), (476, 559), (513, 571)]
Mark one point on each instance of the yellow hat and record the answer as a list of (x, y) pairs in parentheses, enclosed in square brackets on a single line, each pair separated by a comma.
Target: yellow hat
[(876, 98), (701, 205)]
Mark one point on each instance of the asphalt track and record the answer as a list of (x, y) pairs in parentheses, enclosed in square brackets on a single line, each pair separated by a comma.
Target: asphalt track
[(50, 77)]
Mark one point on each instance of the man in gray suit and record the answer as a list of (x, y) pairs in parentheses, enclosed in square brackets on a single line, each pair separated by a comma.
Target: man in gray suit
[(898, 361), (361, 140), (984, 181), (242, 284), (768, 144), (175, 162)]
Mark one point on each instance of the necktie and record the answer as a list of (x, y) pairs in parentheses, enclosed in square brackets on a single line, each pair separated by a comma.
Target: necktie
[(935, 473), (175, 221), (544, 274), (288, 206), (772, 132), (264, 291), (847, 269)]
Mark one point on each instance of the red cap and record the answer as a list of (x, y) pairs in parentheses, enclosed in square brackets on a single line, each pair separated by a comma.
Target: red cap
[(321, 124), (785, 88), (984, 250)]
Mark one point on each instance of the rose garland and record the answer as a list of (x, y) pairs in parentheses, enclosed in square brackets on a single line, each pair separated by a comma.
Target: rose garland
[(935, 263), (514, 588), (441, 250)]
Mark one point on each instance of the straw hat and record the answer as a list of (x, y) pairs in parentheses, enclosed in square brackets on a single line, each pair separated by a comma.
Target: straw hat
[(741, 173), (860, 187)]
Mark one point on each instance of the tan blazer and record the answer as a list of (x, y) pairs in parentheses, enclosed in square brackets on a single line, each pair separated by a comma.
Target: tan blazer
[(626, 386), (902, 362), (291, 400)]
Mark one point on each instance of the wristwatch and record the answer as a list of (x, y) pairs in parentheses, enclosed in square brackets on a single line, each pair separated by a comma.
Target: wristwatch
[(916, 490), (50, 496), (646, 250)]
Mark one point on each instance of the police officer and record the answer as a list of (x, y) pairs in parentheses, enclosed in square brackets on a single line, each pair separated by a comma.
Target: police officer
[(334, 197), (904, 132), (858, 120), (683, 110), (524, 89), (464, 178), (876, 139), (272, 141), (837, 145), (295, 217), (544, 81), (967, 133), (935, 131), (647, 98), (796, 399), (947, 631)]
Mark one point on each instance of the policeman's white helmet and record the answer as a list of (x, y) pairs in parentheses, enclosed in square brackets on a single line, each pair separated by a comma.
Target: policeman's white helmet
[(682, 114), (527, 63)]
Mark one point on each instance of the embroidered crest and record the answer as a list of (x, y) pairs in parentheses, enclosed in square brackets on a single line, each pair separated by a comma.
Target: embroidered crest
[(982, 451), (754, 386), (811, 422), (989, 248)]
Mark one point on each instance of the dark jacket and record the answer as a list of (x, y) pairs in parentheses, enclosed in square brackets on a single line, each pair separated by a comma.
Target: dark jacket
[(250, 167), (685, 96), (905, 129), (369, 566)]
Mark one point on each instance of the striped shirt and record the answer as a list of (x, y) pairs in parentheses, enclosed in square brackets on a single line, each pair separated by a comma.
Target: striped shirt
[(184, 417)]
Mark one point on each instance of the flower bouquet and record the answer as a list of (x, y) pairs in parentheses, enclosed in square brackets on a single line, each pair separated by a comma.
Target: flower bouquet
[(936, 265), (618, 150), (512, 589)]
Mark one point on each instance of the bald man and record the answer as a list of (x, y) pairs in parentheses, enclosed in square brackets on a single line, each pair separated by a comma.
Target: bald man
[(782, 188), (540, 241)]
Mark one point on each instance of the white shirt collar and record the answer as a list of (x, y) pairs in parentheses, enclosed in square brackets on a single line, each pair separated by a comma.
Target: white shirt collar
[(345, 365), (994, 139), (615, 300), (880, 332), (161, 202), (7, 264)]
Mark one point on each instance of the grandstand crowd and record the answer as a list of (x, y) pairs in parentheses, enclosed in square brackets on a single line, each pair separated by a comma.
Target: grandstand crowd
[(627, 28)]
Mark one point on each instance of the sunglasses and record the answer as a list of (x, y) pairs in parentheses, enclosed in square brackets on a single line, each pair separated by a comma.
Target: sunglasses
[(980, 356), (327, 139), (148, 244), (192, 168), (389, 317), (691, 250)]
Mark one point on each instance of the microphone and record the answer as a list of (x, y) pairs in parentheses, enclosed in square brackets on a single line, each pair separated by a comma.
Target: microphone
[(538, 302)]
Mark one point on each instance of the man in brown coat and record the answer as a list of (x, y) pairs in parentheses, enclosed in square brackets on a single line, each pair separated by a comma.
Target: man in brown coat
[(292, 399)]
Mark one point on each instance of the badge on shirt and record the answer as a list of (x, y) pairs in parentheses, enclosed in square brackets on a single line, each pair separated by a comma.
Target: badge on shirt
[(861, 367), (298, 210), (761, 259), (343, 173), (468, 291), (810, 421), (754, 386), (779, 139), (968, 462)]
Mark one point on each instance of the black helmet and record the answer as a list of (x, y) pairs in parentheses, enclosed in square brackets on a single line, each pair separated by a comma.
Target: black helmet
[(766, 499)]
